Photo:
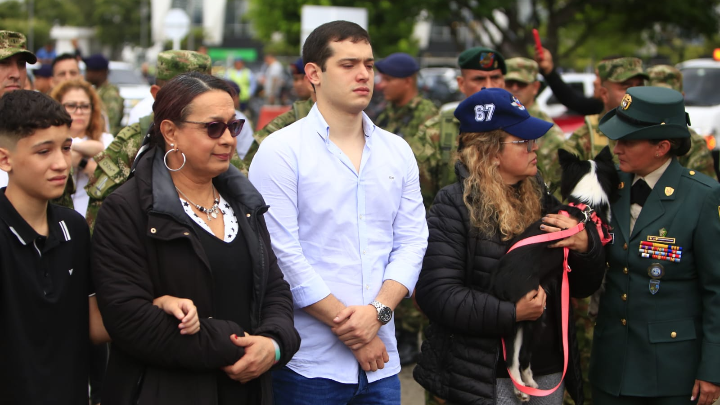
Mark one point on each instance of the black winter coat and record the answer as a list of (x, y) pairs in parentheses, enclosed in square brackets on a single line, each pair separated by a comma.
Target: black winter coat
[(144, 246), (462, 346)]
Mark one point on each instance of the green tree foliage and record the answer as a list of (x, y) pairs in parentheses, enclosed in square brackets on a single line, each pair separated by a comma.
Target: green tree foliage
[(390, 22), (581, 30), (117, 21)]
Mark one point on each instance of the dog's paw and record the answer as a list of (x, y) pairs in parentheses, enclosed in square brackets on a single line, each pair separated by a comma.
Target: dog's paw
[(527, 377), (522, 396)]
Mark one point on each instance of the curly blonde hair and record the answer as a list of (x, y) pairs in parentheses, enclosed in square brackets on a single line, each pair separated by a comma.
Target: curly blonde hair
[(96, 126), (493, 205)]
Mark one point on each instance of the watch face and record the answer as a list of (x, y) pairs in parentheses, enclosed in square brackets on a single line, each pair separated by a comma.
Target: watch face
[(385, 315)]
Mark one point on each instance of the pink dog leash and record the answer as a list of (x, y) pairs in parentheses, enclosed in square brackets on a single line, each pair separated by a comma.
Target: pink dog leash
[(565, 301)]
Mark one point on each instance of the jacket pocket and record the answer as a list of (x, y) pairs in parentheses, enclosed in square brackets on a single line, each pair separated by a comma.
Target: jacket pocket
[(672, 331)]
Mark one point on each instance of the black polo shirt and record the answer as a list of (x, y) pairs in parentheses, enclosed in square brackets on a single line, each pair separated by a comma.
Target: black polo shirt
[(44, 327)]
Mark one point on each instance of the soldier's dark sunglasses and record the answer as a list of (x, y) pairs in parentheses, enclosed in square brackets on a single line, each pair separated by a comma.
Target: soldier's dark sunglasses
[(215, 129)]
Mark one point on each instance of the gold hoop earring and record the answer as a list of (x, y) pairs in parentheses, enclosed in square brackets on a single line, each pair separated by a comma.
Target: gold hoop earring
[(174, 149)]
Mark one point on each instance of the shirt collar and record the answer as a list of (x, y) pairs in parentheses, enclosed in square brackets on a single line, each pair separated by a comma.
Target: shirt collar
[(317, 122), (652, 178), (58, 230)]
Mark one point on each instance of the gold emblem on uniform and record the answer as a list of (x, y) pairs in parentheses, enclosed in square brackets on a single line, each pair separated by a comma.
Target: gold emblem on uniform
[(669, 191), (663, 232), (626, 101), (622, 186)]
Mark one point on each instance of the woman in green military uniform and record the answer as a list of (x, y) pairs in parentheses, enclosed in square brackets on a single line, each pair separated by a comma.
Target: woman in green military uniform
[(657, 337)]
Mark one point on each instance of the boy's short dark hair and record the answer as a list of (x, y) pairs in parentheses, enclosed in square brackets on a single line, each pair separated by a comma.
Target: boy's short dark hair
[(317, 45), (25, 111), (62, 57)]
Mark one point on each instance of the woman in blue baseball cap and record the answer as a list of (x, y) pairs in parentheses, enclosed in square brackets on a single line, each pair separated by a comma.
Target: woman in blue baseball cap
[(497, 196)]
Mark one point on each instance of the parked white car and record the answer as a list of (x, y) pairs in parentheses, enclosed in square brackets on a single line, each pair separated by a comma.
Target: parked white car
[(580, 82)]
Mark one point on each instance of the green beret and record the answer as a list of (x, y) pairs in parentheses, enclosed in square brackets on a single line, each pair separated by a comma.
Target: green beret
[(652, 113), (665, 76), (523, 70), (620, 69), (173, 63), (13, 43), (480, 58)]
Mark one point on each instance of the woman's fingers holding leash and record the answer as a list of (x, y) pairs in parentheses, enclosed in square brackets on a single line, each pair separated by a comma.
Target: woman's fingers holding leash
[(555, 223)]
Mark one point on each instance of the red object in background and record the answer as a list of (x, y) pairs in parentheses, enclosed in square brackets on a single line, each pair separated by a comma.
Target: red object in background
[(268, 113), (538, 44), (569, 123)]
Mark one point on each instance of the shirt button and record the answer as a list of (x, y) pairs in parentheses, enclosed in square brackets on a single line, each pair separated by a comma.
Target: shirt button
[(673, 335), (624, 297), (623, 321), (367, 286), (361, 217), (364, 252), (625, 270)]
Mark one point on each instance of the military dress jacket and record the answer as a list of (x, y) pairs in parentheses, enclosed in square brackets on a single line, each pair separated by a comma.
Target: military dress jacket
[(658, 326)]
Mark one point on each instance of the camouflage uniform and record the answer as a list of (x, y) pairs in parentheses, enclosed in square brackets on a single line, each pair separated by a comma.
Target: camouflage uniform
[(14, 43), (435, 148), (526, 70), (699, 157), (404, 121), (114, 105), (115, 162), (300, 109)]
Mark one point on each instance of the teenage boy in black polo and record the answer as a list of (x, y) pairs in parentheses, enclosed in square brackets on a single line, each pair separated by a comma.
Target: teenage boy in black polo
[(44, 260)]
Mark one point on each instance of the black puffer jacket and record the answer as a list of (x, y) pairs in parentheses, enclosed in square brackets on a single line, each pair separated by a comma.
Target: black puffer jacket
[(461, 349), (145, 246)]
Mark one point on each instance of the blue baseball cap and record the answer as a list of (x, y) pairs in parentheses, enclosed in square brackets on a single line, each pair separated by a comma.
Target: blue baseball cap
[(491, 109), (298, 67), (96, 62), (398, 65), (44, 71)]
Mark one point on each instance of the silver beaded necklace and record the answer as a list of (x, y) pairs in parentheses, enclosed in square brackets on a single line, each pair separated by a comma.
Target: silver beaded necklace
[(210, 212)]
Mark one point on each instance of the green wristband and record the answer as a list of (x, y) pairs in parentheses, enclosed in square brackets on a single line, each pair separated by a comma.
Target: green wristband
[(277, 351)]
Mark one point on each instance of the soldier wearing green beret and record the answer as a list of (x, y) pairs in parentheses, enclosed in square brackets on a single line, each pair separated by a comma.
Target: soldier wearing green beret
[(657, 337), (521, 80), (699, 157), (113, 164), (435, 142)]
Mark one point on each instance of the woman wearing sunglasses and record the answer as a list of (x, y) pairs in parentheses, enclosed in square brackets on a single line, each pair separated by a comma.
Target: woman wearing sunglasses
[(497, 196), (189, 225), (85, 108)]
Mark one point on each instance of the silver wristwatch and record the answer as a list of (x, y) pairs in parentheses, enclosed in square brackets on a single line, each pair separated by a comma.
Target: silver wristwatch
[(384, 312)]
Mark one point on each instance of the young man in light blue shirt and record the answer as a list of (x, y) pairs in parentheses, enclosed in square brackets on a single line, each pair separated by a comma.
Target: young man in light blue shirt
[(348, 227)]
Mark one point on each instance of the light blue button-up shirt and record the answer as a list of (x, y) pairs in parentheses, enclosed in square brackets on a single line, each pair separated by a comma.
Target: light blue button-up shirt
[(342, 232)]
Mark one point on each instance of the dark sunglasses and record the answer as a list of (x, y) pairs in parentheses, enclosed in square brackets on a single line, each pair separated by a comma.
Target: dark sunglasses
[(215, 129)]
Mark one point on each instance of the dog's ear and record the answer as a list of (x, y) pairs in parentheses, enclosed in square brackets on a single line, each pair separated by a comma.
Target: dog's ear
[(566, 158), (604, 155)]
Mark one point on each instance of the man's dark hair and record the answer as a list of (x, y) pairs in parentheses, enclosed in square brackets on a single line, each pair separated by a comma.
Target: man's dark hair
[(317, 45), (60, 58), (25, 111), (173, 100)]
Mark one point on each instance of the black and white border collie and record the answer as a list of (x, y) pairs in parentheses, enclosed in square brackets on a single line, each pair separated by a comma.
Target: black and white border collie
[(590, 182)]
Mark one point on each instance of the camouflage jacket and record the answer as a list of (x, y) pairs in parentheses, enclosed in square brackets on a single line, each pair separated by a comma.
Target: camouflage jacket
[(115, 162), (300, 109), (114, 105), (435, 148), (404, 121), (548, 145)]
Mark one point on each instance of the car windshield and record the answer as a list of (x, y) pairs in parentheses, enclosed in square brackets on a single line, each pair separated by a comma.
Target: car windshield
[(700, 85), (124, 76)]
